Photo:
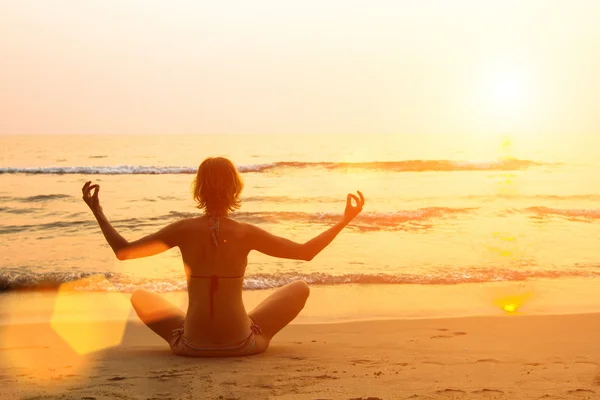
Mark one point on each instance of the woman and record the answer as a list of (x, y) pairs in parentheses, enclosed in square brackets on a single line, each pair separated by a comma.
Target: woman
[(215, 251)]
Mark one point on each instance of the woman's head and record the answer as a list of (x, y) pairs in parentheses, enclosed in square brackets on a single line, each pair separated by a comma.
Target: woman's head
[(217, 186)]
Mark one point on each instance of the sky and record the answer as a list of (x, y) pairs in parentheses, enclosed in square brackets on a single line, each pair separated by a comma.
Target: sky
[(336, 66)]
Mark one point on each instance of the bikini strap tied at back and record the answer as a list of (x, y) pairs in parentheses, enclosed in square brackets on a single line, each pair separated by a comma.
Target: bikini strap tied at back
[(214, 225)]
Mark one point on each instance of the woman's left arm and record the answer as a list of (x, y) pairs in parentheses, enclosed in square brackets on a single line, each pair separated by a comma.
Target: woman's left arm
[(147, 246)]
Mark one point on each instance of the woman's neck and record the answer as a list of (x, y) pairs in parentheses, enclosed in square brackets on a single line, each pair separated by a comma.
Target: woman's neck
[(214, 214)]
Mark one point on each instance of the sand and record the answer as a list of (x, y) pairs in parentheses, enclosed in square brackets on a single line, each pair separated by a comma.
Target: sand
[(494, 357)]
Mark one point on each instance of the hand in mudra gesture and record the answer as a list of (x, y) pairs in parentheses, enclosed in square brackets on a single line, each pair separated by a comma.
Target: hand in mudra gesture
[(353, 210), (91, 199)]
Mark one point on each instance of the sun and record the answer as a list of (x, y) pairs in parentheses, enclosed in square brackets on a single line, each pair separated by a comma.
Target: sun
[(508, 90), (505, 89)]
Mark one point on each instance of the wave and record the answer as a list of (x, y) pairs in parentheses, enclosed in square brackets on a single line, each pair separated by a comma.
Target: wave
[(405, 165), (374, 221), (37, 199), (569, 214), (45, 197), (114, 282), (571, 197), (519, 196), (17, 210), (405, 220), (313, 199), (289, 199), (372, 218), (388, 166), (99, 170), (63, 226)]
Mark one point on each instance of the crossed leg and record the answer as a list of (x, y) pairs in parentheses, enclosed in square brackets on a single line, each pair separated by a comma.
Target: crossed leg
[(278, 310), (271, 315), (157, 313)]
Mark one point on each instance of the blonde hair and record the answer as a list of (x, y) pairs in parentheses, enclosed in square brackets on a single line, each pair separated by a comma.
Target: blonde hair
[(217, 186)]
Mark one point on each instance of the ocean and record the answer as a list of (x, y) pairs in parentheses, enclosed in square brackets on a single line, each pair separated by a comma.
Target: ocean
[(440, 209)]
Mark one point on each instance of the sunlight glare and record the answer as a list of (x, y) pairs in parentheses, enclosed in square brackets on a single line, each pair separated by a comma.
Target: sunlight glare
[(511, 304), (506, 89), (511, 308), (89, 321), (34, 349)]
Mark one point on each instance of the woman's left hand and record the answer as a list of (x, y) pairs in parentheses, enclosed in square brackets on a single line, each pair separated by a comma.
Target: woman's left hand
[(91, 199)]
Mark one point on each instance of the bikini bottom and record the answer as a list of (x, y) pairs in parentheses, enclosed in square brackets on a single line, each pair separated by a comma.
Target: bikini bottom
[(181, 346)]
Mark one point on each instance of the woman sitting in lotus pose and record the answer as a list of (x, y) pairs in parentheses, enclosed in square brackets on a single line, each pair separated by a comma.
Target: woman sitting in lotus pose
[(215, 251)]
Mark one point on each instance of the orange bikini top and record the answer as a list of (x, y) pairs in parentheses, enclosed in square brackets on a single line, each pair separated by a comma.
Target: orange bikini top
[(214, 225)]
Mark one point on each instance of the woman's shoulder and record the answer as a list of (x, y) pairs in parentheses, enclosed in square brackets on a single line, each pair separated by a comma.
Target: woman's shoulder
[(240, 228), (188, 224)]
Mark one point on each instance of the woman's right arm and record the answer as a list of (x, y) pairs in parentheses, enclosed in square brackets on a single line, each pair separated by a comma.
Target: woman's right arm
[(276, 246)]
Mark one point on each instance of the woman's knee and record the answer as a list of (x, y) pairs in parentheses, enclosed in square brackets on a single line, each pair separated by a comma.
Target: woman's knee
[(302, 290), (137, 295), (141, 300)]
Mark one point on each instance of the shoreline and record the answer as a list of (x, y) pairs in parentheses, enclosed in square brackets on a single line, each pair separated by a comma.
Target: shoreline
[(337, 303)]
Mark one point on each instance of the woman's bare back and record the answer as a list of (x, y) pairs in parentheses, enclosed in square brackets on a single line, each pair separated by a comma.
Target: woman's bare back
[(216, 313)]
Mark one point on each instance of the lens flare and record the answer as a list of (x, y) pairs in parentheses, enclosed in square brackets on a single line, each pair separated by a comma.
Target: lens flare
[(89, 321), (30, 348), (511, 304), (511, 308)]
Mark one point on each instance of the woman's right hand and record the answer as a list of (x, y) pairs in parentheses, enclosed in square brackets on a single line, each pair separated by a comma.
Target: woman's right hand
[(353, 210), (91, 199)]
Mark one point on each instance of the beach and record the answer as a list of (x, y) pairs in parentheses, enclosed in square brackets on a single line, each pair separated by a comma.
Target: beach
[(549, 357), (51, 348)]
